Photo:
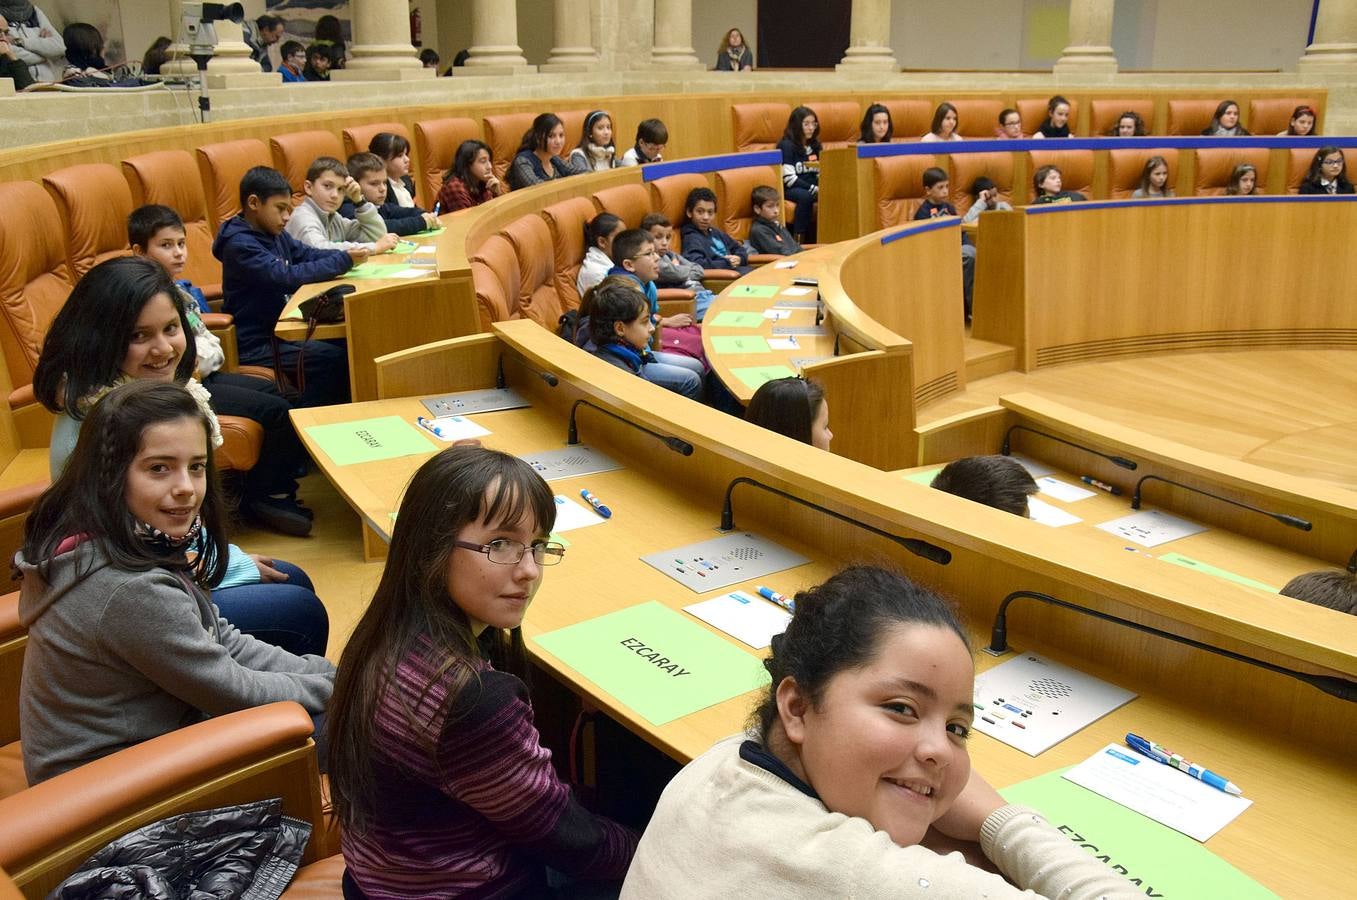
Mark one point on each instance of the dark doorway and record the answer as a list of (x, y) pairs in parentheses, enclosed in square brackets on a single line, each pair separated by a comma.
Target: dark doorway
[(803, 34)]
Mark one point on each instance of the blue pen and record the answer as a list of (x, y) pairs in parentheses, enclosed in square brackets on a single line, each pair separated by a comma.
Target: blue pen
[(428, 425), (1169, 758), (780, 599), (436, 207), (597, 504)]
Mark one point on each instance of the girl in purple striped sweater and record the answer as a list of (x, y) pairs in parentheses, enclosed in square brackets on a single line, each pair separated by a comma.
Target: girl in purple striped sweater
[(436, 769)]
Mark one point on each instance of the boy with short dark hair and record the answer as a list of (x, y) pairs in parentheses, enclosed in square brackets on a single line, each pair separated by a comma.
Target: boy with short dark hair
[(936, 205), (316, 222), (369, 171), (317, 63), (997, 481), (294, 61), (651, 138), (767, 234), (703, 242), (261, 265), (676, 271), (1328, 587)]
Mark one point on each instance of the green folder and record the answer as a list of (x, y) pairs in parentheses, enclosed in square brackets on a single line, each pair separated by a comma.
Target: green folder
[(375, 270), (739, 343), (755, 376), (924, 477), (734, 319), (368, 440), (428, 231), (1188, 563), (656, 661), (762, 291)]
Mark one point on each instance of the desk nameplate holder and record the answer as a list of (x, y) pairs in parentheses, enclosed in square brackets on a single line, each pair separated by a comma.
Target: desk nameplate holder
[(799, 330), (799, 363), (569, 462), (721, 562), (796, 304), (467, 403)]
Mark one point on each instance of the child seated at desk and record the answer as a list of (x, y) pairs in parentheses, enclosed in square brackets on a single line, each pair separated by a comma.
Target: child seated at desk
[(651, 138), (795, 407), (936, 205), (368, 170), (471, 181), (767, 234), (394, 152), (598, 237), (1327, 587), (616, 325), (1048, 186), (437, 771), (635, 257), (316, 222), (261, 265), (997, 481), (703, 242), (855, 761), (675, 270)]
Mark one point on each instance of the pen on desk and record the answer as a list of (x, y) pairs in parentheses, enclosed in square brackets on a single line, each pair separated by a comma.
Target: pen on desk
[(1101, 485), (780, 599), (436, 207), (1169, 758), (429, 426), (597, 504)]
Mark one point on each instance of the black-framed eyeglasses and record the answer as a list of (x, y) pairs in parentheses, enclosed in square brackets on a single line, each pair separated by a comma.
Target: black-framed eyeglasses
[(1337, 161), (508, 552), (651, 252)]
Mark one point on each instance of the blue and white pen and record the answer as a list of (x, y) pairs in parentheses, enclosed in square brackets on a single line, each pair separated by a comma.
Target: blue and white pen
[(1169, 758), (436, 207), (597, 504), (781, 600), (429, 426)]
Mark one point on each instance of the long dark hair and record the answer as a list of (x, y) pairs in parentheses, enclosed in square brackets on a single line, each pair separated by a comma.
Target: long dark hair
[(865, 135), (589, 122), (412, 608), (462, 161), (388, 145), (535, 138), (1317, 167), (794, 132), (88, 497), (88, 339), (1151, 164), (787, 405), (1220, 111), (941, 113)]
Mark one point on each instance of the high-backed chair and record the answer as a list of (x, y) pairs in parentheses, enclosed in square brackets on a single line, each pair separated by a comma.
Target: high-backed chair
[(358, 137), (735, 211), (294, 152), (565, 222), (964, 168), (436, 143), (1033, 112), (1272, 115), (1076, 169), (13, 642), (1190, 116), (758, 126), (1297, 167), (169, 177), (504, 132), (669, 194), (629, 202), (897, 187), (1216, 164), (573, 121), (222, 166), (494, 275), (839, 121), (93, 202), (537, 297), (1104, 113), (976, 117), (1124, 168), (909, 118), (35, 280)]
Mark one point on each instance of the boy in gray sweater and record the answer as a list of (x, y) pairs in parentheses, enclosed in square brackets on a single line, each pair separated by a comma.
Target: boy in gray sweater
[(317, 222), (677, 271)]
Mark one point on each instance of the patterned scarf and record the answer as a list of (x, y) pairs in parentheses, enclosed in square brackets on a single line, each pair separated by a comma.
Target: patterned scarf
[(166, 545)]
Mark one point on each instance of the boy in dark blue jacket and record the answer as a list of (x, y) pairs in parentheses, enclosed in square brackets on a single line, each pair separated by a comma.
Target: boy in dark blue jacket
[(703, 242), (261, 266), (936, 206)]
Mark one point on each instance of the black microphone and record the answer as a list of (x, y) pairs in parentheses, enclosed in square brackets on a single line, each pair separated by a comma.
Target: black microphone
[(930, 552), (678, 445), (500, 383), (1114, 460), (1291, 521), (1341, 688), (1352, 563)]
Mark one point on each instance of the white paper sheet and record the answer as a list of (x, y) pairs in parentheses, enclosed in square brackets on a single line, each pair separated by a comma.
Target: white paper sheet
[(456, 428), (572, 514), (1054, 487), (1046, 514), (411, 273), (1150, 528), (1034, 468), (797, 291), (788, 343), (1033, 704), (786, 264), (776, 314), (743, 616), (1158, 791)]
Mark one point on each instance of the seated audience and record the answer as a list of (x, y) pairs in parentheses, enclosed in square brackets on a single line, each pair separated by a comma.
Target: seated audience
[(34, 41), (84, 53), (876, 127), (368, 170), (318, 59), (293, 66), (1010, 125), (156, 55), (1225, 122), (1302, 123), (800, 149), (428, 58), (595, 151), (330, 35), (394, 151), (997, 481), (857, 750), (316, 221), (1328, 173), (676, 271), (767, 234), (984, 198), (944, 127), (618, 321), (936, 205), (11, 66), (1048, 184), (1129, 124), (598, 260), (703, 242), (651, 138), (538, 159), (734, 54), (1327, 587), (1057, 121), (1154, 180), (795, 407), (1243, 182), (471, 181)]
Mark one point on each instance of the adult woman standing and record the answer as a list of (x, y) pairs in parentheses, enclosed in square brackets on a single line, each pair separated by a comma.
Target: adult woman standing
[(37, 44), (734, 54)]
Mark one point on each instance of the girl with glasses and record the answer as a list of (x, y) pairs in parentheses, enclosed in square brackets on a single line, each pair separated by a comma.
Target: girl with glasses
[(1328, 174)]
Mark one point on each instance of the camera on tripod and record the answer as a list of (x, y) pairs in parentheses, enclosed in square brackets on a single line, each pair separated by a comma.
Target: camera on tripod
[(199, 31)]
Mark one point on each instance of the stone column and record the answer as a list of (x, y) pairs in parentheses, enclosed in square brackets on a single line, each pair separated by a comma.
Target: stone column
[(869, 47), (1335, 48), (381, 49), (231, 66), (494, 40), (574, 46), (673, 47), (1090, 47)]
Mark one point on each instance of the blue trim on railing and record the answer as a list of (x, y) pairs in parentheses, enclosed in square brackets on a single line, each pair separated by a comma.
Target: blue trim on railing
[(1314, 14), (875, 151), (920, 227), (1185, 201), (704, 164)]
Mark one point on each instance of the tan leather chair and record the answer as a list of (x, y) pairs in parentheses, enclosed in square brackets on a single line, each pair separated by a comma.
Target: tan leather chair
[(1297, 167), (504, 132), (964, 168), (1033, 112), (839, 122), (48, 830), (222, 166), (495, 276), (13, 642), (565, 222), (758, 126), (734, 204), (436, 143), (1124, 168), (897, 188), (977, 118), (357, 137), (169, 178), (573, 120), (1271, 115), (1076, 169), (537, 298), (669, 194), (1215, 166), (293, 154), (629, 202), (93, 202), (35, 280), (1103, 115), (8, 889), (1190, 116), (909, 118)]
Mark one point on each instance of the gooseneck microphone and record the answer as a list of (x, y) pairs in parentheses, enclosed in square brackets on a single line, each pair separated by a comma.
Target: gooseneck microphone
[(1289, 521), (678, 445), (930, 552), (1341, 688), (500, 383), (1114, 460)]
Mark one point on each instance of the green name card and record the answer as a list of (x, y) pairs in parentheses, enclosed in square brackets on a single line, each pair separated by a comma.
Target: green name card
[(755, 376), (735, 319), (739, 343), (762, 291), (368, 440)]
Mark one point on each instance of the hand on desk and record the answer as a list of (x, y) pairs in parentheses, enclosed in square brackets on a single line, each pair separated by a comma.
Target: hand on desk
[(385, 243), (358, 255), (430, 221), (733, 260)]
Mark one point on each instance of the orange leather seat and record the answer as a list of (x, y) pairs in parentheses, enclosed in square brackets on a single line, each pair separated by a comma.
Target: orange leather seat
[(1033, 112), (965, 168), (13, 642), (293, 154), (629, 202), (565, 222), (909, 118), (222, 166), (758, 126), (1103, 114), (977, 118), (1297, 167), (358, 137), (839, 122), (35, 279), (1076, 169), (1271, 115), (1190, 116), (669, 194), (537, 298), (735, 209), (573, 120), (898, 188), (1216, 164), (436, 143), (504, 132), (495, 276), (93, 202), (1125, 167), (169, 177)]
